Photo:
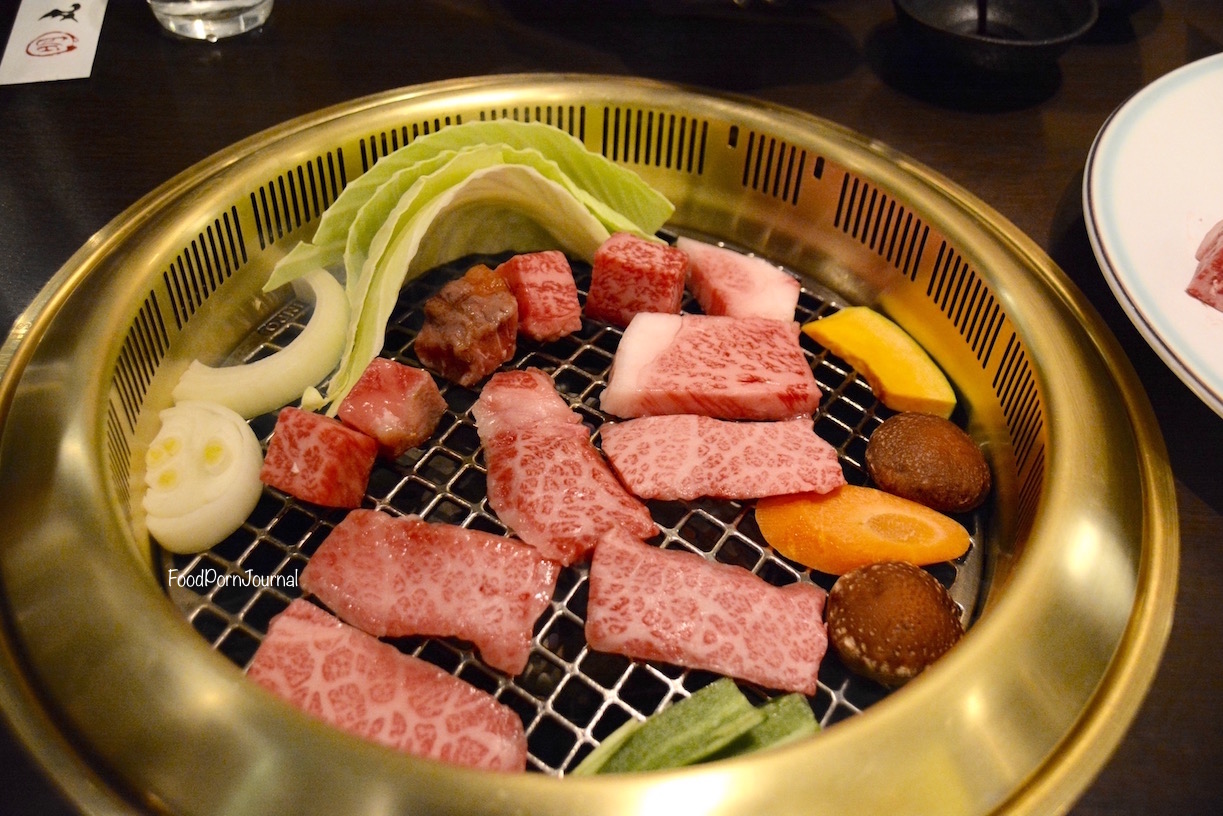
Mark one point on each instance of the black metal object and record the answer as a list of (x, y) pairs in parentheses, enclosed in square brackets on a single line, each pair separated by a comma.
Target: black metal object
[(996, 35)]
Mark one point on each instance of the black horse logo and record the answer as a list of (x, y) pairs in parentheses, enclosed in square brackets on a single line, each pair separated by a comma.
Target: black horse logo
[(70, 14)]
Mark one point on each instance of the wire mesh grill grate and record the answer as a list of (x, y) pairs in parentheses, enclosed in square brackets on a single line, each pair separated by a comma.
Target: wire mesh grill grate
[(569, 696)]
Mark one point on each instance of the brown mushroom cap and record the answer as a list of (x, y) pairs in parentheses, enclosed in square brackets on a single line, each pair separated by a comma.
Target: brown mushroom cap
[(928, 459), (889, 621)]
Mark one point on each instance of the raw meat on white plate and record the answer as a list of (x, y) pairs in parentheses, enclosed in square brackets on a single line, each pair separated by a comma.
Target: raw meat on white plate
[(1207, 282), (359, 684), (684, 456), (724, 367), (546, 481), (725, 282), (397, 576), (681, 608)]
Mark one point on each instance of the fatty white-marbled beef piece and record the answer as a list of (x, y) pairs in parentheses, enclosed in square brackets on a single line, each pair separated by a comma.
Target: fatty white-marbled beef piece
[(546, 481), (399, 406), (392, 576), (680, 608), (518, 400), (357, 683), (725, 282), (724, 367), (1207, 282), (684, 456)]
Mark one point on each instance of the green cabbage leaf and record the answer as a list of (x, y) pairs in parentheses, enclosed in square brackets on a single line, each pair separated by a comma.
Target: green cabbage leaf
[(613, 193), (491, 209), (477, 188)]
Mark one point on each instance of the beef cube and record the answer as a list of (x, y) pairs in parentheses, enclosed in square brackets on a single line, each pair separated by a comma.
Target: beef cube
[(632, 275), (543, 285), (398, 405), (318, 459), (471, 326)]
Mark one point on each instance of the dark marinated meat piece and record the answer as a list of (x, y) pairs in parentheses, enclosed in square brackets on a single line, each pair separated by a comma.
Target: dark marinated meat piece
[(681, 608), (686, 457), (471, 326), (359, 684), (392, 576)]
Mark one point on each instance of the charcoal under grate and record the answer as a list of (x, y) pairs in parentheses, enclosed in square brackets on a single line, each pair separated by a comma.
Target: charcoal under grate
[(569, 696)]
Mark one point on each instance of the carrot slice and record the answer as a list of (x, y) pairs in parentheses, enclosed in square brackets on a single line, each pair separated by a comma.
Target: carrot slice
[(854, 526)]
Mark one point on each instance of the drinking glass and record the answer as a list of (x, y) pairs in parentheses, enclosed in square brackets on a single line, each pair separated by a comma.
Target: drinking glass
[(210, 19)]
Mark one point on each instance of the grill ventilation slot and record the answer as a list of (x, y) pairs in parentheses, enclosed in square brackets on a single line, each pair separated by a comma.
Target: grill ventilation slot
[(772, 167), (569, 118), (881, 224), (381, 145), (297, 197), (204, 265), (655, 139), (966, 301)]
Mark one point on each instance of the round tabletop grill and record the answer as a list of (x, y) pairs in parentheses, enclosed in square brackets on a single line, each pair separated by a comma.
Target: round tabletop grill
[(570, 697), (1067, 589)]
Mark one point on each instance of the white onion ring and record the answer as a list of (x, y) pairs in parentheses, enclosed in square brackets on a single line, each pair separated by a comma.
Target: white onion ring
[(271, 383)]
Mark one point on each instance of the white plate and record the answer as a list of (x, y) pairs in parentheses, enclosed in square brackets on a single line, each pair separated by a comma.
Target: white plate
[(1153, 187)]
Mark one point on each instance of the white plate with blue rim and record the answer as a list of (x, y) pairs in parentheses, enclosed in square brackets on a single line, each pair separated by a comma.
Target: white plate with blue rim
[(1153, 188)]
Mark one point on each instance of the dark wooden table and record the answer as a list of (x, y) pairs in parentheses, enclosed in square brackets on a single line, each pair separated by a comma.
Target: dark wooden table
[(74, 154)]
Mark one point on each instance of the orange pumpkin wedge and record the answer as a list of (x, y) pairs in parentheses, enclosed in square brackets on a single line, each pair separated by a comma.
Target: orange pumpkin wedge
[(899, 371), (853, 526)]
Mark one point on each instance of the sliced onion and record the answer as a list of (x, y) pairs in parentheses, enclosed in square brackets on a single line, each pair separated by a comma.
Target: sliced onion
[(201, 475), (271, 383)]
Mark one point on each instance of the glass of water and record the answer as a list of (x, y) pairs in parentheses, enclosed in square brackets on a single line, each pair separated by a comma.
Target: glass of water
[(210, 19)]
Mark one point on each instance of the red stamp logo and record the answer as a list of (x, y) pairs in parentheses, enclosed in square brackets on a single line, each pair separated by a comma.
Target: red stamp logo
[(51, 44)]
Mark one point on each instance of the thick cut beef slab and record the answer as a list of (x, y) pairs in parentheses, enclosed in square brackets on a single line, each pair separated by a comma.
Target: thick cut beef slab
[(724, 367), (686, 457), (359, 684), (398, 405), (546, 481), (392, 576), (680, 608), (630, 275)]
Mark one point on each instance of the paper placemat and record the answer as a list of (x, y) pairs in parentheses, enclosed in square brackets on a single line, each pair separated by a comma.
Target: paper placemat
[(52, 39)]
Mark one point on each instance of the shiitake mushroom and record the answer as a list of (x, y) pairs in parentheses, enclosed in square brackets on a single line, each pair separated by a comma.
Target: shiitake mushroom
[(930, 460), (890, 620)]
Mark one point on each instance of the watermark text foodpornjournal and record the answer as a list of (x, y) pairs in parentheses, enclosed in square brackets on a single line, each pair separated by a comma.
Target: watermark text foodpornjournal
[(211, 576)]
